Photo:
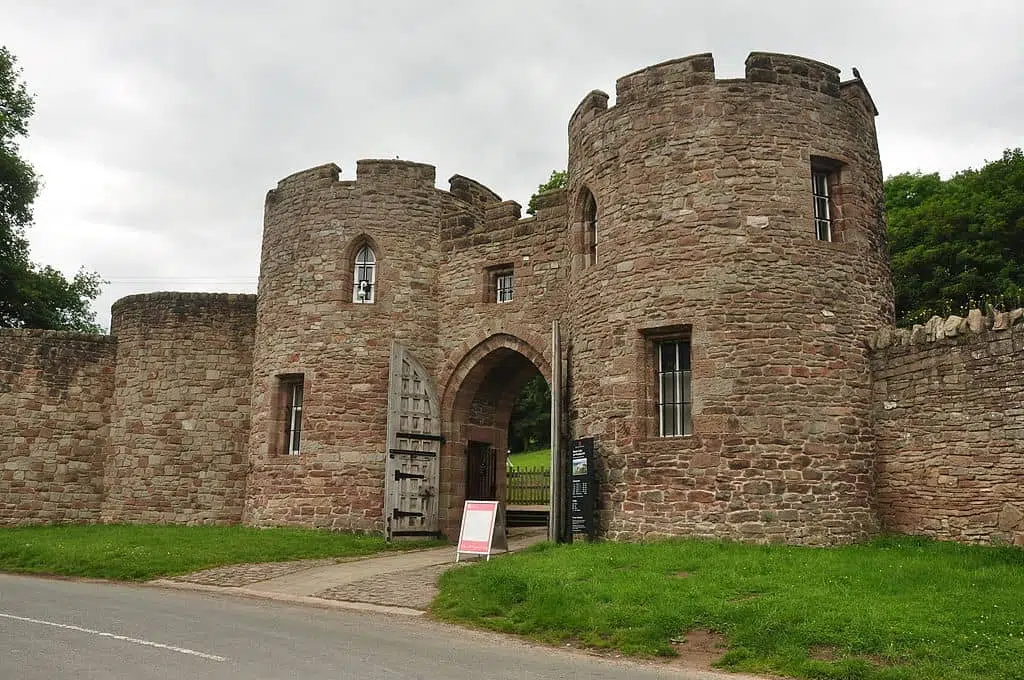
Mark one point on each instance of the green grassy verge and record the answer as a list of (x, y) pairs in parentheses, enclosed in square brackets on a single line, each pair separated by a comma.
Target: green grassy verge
[(531, 459), (896, 608), (135, 553)]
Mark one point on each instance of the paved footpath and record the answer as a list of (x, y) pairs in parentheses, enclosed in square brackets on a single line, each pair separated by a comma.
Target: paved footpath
[(401, 583)]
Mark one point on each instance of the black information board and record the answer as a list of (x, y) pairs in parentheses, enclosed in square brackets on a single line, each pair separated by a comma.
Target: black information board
[(582, 490)]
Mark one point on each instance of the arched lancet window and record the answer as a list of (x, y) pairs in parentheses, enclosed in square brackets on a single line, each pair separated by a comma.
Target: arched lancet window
[(364, 278), (590, 226)]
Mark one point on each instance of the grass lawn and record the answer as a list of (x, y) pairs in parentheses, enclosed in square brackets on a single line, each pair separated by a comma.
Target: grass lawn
[(896, 608), (531, 459), (135, 553)]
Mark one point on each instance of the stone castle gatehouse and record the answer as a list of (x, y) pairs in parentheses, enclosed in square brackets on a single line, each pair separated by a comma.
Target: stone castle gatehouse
[(717, 270)]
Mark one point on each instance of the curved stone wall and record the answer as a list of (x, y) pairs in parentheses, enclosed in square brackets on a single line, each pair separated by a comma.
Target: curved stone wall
[(180, 417), (705, 231)]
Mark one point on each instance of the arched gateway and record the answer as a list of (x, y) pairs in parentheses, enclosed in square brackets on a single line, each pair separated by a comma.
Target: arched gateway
[(477, 408), (442, 452)]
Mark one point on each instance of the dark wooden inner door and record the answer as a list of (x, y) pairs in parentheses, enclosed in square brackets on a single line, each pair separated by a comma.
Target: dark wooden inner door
[(481, 472)]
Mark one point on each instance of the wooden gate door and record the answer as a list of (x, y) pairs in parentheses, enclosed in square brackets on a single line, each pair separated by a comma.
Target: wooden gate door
[(481, 472), (414, 443)]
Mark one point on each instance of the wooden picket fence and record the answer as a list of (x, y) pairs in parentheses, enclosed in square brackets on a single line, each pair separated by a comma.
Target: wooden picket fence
[(528, 486)]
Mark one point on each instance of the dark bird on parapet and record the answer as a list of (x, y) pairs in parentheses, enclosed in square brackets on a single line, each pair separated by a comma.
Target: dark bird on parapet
[(856, 73)]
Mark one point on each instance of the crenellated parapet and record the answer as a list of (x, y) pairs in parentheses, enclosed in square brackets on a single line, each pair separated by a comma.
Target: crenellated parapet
[(396, 173), (668, 77), (392, 174), (680, 77), (304, 181), (792, 71), (471, 191)]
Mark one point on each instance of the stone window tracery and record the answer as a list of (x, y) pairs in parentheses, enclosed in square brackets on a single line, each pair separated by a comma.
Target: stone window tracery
[(364, 277)]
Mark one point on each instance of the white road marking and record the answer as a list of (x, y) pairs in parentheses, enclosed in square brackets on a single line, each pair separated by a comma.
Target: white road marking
[(147, 643)]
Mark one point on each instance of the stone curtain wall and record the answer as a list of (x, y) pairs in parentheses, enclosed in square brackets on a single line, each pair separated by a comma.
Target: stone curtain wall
[(180, 422), (56, 390), (705, 229), (949, 414)]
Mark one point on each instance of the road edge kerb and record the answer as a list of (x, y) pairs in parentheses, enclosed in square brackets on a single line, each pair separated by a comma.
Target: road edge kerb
[(250, 593)]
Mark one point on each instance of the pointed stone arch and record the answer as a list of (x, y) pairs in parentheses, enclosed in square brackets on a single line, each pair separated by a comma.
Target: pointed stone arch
[(480, 386), (348, 255), (585, 226)]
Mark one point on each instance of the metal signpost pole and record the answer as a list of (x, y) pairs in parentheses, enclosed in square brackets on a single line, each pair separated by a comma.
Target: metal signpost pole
[(555, 516)]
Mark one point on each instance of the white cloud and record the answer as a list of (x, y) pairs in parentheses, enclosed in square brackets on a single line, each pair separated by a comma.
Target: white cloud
[(161, 125)]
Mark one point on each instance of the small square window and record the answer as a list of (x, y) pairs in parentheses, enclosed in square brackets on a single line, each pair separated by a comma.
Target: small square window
[(503, 286), (499, 284)]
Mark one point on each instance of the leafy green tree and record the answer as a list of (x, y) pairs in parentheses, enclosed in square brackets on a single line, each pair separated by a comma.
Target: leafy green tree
[(30, 296), (530, 427), (559, 180), (957, 243)]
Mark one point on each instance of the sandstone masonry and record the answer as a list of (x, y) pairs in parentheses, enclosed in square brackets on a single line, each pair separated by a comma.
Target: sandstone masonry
[(696, 296), (949, 414)]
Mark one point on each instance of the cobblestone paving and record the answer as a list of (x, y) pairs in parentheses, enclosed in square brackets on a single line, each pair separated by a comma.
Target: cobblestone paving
[(236, 575), (414, 588)]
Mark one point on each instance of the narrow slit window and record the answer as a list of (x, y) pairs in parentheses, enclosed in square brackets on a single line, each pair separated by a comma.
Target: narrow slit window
[(823, 208), (293, 414), (590, 227)]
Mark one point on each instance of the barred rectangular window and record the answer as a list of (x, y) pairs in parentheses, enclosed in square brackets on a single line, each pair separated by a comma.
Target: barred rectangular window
[(503, 285), (675, 396)]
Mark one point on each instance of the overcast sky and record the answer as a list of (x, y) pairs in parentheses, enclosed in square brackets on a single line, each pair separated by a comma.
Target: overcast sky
[(160, 125)]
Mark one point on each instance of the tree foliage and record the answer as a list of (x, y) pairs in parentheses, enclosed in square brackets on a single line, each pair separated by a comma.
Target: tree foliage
[(31, 296), (559, 180), (957, 243), (530, 427)]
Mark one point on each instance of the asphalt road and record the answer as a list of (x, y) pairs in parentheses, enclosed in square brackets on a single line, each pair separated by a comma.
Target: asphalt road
[(73, 629)]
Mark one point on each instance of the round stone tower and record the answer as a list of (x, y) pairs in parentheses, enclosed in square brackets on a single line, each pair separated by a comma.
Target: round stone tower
[(729, 261), (180, 417), (347, 267)]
